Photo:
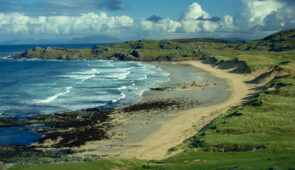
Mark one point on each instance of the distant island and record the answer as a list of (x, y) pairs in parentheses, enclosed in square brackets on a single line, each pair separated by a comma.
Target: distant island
[(96, 39)]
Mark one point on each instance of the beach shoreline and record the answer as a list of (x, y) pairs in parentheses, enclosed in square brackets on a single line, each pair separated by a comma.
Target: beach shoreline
[(135, 122), (181, 124), (189, 122), (162, 119)]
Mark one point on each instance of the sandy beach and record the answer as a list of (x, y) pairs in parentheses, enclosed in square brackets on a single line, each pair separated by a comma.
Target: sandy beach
[(149, 134), (188, 123)]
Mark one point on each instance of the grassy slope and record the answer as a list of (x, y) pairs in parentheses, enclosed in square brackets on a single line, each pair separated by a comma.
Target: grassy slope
[(189, 160), (143, 50), (146, 50), (94, 165), (259, 134), (265, 122)]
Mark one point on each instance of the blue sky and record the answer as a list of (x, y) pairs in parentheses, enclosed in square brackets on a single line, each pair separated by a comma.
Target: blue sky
[(136, 8), (174, 8), (138, 19)]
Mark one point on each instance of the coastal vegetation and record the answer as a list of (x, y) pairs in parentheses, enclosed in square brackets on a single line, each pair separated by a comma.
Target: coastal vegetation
[(258, 134)]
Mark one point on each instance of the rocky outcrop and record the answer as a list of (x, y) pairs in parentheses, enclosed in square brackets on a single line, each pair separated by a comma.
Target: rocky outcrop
[(210, 60), (55, 53), (123, 57)]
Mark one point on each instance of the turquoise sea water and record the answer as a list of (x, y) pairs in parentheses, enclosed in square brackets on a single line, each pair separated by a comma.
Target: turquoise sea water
[(30, 87), (38, 86)]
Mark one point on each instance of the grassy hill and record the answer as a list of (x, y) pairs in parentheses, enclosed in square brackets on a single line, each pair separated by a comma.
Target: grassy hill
[(142, 50), (258, 134)]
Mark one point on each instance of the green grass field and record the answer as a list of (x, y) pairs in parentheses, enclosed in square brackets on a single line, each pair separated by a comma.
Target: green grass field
[(190, 160)]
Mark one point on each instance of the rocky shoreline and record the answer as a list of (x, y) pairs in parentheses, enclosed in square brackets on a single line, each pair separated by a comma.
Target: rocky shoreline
[(185, 86), (73, 129), (64, 131)]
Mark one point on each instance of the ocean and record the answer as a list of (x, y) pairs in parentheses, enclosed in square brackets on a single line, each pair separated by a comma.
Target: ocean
[(31, 87)]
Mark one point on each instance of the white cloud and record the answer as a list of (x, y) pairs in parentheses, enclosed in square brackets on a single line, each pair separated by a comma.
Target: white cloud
[(190, 26), (195, 11), (163, 26), (189, 21), (257, 17), (228, 22), (254, 12), (194, 26), (283, 18), (187, 24), (210, 26), (13, 23), (85, 24)]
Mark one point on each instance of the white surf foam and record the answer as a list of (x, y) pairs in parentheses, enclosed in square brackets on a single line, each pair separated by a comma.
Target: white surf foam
[(116, 70), (122, 96), (122, 88), (92, 71), (79, 77), (50, 99), (114, 75), (7, 57), (144, 77), (83, 76), (119, 76), (110, 64)]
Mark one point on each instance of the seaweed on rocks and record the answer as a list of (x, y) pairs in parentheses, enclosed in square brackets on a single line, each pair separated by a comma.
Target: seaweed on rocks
[(65, 130), (76, 137), (73, 128), (19, 155), (151, 105), (160, 105), (76, 128)]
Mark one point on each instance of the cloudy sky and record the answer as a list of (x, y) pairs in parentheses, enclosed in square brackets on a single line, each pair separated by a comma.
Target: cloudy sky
[(144, 19)]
